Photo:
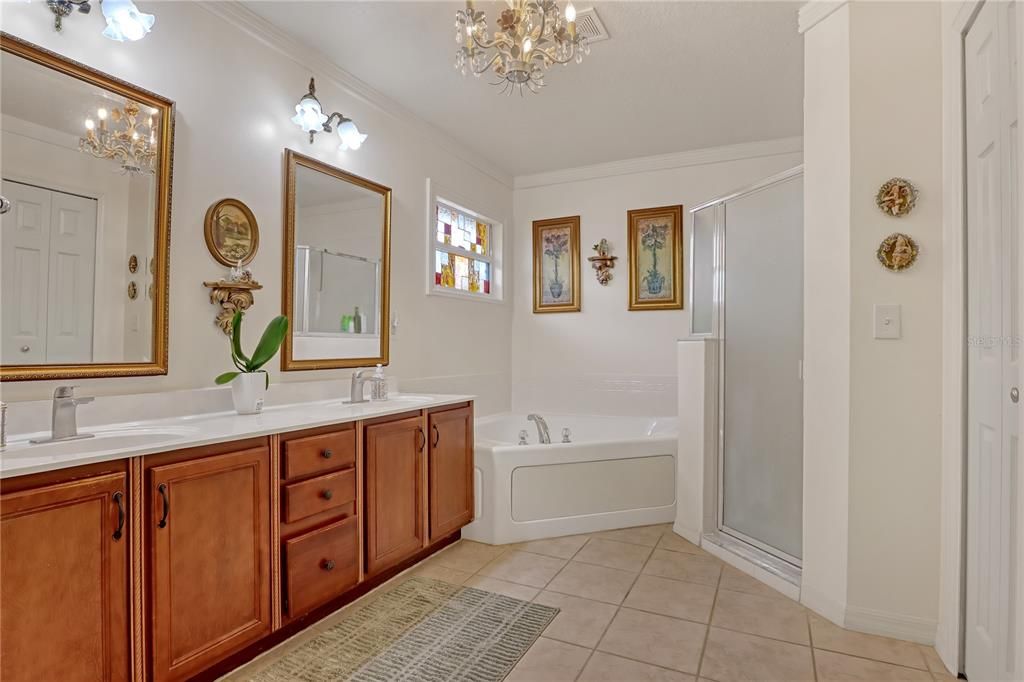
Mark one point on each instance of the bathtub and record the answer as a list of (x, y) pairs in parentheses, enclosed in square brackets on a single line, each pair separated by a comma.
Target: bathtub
[(616, 472)]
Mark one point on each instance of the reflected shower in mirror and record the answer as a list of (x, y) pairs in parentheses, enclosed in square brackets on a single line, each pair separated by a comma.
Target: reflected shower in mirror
[(86, 167), (337, 235)]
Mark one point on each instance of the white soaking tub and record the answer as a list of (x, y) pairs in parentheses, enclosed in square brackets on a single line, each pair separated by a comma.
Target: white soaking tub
[(617, 472)]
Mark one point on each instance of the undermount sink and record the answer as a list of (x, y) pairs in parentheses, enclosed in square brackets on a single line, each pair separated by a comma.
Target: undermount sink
[(106, 439)]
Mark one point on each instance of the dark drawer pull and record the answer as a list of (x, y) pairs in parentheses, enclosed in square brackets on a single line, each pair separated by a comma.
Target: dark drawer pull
[(327, 493), (327, 454), (327, 564), (119, 499), (162, 489), (437, 435)]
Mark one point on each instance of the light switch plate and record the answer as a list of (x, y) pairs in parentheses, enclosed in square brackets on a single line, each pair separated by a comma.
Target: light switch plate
[(888, 322)]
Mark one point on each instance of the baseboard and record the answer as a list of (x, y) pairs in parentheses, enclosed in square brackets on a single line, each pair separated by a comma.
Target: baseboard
[(691, 534), (896, 625), (823, 605)]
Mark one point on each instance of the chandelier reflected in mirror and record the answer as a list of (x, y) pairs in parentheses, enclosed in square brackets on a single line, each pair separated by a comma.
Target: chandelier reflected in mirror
[(120, 136), (531, 36)]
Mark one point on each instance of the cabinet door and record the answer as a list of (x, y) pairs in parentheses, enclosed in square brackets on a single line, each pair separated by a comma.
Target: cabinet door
[(210, 559), (64, 582), (451, 471), (394, 492)]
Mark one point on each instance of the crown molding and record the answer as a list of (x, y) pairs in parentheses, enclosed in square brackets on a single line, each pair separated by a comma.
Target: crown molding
[(815, 12), (646, 164), (240, 16)]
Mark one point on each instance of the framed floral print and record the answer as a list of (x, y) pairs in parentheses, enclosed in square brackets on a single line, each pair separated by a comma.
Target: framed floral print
[(556, 265), (655, 239)]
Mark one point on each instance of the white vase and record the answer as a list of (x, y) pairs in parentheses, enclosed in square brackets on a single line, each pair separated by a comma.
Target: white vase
[(247, 392)]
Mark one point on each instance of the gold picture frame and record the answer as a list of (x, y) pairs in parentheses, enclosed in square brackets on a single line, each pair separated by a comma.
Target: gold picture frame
[(655, 231), (232, 233), (289, 362), (12, 45), (556, 241)]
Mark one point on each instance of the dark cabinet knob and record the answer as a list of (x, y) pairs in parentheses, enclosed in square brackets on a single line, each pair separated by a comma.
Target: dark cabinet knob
[(327, 493), (326, 454), (327, 564)]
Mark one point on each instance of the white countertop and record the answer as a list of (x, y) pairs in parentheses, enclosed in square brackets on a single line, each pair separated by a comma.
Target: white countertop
[(132, 439)]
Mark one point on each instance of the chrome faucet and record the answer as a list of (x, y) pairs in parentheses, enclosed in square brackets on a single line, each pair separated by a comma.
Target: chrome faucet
[(359, 379), (542, 428), (65, 423)]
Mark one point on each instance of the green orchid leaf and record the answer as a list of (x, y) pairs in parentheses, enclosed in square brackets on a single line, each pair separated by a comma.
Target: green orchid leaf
[(236, 337), (225, 378), (270, 342)]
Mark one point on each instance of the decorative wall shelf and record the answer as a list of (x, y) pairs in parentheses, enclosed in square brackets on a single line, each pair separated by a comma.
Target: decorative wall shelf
[(231, 297), (603, 262)]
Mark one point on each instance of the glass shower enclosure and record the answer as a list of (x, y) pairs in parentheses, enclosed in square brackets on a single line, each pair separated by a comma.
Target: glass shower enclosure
[(747, 297)]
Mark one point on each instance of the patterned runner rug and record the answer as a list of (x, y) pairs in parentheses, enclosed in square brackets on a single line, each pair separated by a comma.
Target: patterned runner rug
[(424, 631)]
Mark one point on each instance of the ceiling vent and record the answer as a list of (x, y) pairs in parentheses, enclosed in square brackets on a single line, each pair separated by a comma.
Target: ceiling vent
[(589, 24)]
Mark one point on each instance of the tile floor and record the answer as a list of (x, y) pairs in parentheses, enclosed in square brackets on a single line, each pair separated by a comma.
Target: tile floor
[(644, 604)]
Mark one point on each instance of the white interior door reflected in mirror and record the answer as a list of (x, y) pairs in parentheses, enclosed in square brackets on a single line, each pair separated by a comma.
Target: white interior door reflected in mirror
[(86, 166), (337, 234)]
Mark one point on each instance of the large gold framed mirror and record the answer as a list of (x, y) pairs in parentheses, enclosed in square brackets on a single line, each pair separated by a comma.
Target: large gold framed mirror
[(337, 244), (86, 166)]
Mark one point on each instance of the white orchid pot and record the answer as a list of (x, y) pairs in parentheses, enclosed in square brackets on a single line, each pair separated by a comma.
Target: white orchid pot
[(248, 390)]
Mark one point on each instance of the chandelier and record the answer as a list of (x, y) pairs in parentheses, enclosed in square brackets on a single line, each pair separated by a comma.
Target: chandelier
[(127, 140), (532, 35)]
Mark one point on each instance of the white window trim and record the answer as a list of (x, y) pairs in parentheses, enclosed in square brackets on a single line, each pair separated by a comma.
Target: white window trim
[(435, 194)]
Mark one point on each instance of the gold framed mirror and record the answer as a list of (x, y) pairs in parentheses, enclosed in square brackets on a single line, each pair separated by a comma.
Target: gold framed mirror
[(86, 160), (337, 256)]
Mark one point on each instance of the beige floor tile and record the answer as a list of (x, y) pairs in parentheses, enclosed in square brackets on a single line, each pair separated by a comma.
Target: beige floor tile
[(252, 668), (647, 536), (826, 635), (682, 566), (504, 587), (580, 621), (593, 582), (613, 554), (833, 667), (736, 657), (437, 572), (561, 548), (524, 568), (756, 615), (932, 660), (738, 581), (467, 556), (674, 543), (550, 661), (651, 638), (671, 598), (607, 668)]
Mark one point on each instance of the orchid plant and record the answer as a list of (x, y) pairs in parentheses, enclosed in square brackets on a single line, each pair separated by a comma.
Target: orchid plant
[(270, 342)]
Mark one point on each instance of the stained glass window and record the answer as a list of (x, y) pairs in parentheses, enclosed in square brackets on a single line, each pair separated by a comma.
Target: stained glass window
[(462, 251)]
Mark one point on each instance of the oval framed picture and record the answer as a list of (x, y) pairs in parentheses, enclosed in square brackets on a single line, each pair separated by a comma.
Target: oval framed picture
[(232, 235)]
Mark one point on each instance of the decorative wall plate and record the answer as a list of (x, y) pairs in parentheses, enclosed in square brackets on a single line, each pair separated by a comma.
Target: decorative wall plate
[(897, 252), (133, 263), (133, 291), (896, 197), (232, 235)]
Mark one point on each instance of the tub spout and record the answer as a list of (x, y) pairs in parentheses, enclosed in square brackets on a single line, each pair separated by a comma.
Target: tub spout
[(542, 428)]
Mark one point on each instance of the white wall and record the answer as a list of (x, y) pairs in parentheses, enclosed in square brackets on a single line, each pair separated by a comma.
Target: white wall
[(607, 359), (883, 444), (234, 95)]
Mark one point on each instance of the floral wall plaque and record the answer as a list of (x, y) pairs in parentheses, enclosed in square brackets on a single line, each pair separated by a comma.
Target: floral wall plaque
[(556, 265), (655, 239), (232, 235)]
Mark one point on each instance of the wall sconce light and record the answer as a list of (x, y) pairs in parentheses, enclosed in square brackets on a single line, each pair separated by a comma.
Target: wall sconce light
[(124, 20), (309, 115)]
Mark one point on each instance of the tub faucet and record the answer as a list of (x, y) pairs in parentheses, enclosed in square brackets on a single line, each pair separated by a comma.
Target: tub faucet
[(65, 424), (542, 428)]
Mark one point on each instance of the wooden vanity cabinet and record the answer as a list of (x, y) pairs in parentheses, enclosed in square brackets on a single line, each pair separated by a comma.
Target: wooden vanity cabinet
[(450, 470), (208, 529), (64, 577), (395, 494)]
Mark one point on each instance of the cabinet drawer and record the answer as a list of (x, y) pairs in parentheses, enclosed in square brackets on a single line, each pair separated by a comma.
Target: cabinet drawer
[(325, 452), (321, 565), (319, 494)]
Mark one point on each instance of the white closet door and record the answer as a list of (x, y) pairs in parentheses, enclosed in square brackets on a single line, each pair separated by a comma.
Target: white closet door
[(25, 247), (993, 362), (72, 279)]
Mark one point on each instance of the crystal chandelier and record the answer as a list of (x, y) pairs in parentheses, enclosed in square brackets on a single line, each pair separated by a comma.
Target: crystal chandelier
[(532, 35), (127, 140)]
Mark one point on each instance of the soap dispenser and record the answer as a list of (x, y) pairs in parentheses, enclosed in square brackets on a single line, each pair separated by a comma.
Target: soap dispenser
[(379, 385)]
